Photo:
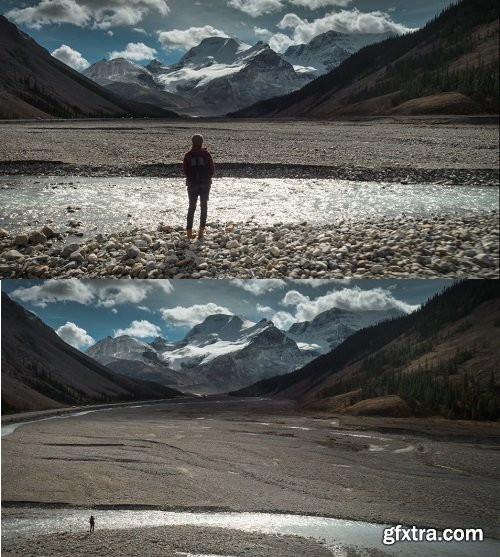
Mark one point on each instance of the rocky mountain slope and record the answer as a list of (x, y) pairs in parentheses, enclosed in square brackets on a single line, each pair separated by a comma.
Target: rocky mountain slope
[(41, 371), (227, 352), (450, 66), (33, 84), (328, 50), (439, 360)]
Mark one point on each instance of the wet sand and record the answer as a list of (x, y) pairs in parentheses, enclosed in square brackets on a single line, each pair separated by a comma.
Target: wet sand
[(251, 455)]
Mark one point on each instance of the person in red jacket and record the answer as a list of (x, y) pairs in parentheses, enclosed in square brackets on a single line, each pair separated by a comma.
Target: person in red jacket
[(199, 169)]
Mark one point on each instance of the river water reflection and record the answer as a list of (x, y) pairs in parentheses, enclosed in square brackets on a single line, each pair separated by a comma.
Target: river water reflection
[(116, 204), (335, 533)]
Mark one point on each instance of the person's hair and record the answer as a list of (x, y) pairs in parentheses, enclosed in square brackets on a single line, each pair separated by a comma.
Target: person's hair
[(197, 140)]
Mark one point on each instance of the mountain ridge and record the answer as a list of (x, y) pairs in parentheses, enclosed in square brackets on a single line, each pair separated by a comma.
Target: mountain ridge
[(34, 84), (439, 360), (456, 52), (40, 371)]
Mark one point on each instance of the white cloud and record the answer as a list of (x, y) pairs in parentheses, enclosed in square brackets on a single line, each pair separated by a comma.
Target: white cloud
[(99, 14), (55, 290), (51, 11), (121, 292), (344, 21), (140, 30), (114, 311), (351, 299), (187, 38), (71, 57), (315, 4), (144, 308), (139, 329), (104, 293), (259, 286), (279, 42), (282, 319), (256, 8), (134, 51), (165, 285), (75, 335), (191, 316)]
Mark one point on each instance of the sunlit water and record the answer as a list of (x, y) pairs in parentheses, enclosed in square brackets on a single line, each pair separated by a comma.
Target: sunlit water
[(116, 204), (335, 533)]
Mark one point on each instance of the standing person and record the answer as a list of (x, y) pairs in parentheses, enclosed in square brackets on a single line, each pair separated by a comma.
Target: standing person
[(198, 166), (92, 523)]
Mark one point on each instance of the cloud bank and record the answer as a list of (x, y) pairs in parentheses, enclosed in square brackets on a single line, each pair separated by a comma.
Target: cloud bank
[(87, 13), (75, 335), (190, 316), (139, 329), (134, 51), (70, 57)]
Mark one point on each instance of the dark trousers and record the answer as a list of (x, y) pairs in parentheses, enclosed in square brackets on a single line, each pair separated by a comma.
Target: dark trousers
[(193, 193)]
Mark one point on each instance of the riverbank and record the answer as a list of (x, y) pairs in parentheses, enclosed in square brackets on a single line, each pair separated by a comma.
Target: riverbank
[(404, 143), (173, 541), (405, 247)]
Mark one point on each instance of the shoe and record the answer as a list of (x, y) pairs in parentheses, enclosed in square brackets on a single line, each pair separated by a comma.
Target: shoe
[(201, 233), (190, 234)]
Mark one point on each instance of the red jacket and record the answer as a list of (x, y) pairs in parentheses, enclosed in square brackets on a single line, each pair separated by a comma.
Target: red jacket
[(195, 151)]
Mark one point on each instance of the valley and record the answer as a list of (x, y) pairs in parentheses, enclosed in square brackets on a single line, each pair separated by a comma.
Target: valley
[(214, 454)]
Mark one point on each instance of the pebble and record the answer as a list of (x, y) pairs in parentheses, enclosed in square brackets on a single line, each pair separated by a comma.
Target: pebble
[(430, 247)]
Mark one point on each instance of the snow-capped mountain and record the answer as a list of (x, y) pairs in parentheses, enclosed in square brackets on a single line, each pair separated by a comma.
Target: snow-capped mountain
[(224, 74), (120, 70), (228, 352), (223, 353), (331, 327), (328, 50), (132, 357)]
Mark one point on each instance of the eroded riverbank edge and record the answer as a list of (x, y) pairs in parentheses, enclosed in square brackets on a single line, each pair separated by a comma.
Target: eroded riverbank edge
[(449, 176)]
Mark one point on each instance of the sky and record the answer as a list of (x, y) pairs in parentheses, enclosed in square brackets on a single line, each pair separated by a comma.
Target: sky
[(82, 32), (85, 311)]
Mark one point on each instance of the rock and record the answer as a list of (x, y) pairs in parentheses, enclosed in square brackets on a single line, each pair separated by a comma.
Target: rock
[(3, 233), (133, 252), (77, 257), (260, 238), (484, 260), (376, 269), (275, 251), (37, 238), (48, 231), (69, 249), (74, 223), (21, 240), (232, 244), (13, 255)]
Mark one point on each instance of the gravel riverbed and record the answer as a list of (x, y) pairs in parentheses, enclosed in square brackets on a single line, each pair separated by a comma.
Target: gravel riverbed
[(459, 246)]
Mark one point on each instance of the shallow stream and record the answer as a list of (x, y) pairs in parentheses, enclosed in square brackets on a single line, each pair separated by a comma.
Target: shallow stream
[(335, 533), (116, 204)]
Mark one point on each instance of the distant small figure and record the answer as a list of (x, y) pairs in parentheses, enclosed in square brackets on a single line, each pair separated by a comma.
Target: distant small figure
[(92, 523), (199, 168)]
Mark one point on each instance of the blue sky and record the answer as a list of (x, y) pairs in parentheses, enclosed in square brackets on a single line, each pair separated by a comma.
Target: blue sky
[(81, 32), (84, 311)]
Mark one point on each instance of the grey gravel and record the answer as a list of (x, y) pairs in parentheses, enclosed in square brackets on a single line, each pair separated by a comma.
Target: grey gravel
[(439, 246)]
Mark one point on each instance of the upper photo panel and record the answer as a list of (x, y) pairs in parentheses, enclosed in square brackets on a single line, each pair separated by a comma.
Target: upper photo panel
[(302, 139)]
